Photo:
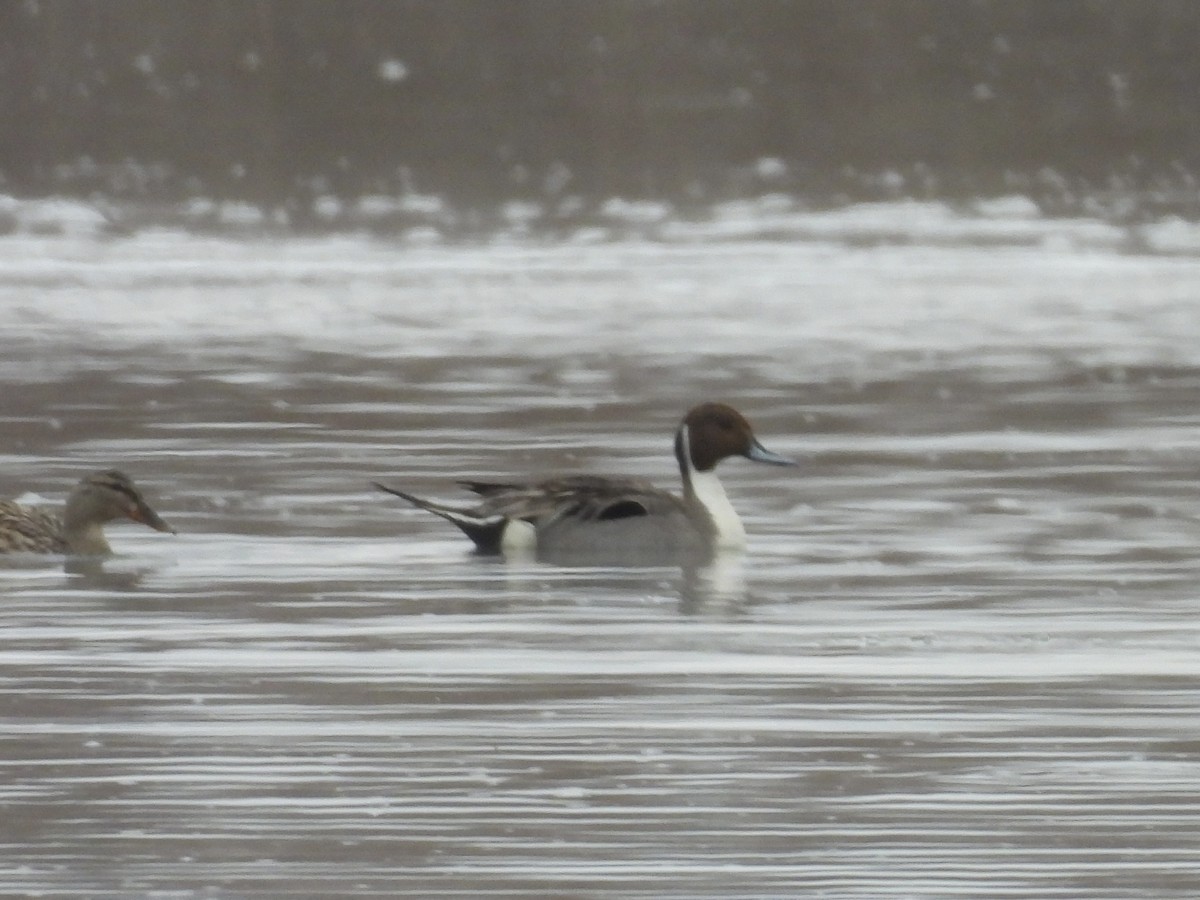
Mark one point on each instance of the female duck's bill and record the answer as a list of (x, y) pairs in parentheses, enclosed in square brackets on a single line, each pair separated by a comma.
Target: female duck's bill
[(590, 517), (99, 498)]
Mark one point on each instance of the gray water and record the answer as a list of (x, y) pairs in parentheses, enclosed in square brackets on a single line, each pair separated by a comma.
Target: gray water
[(960, 657)]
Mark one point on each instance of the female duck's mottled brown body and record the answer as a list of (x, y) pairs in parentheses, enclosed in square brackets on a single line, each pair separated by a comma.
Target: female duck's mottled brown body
[(97, 499)]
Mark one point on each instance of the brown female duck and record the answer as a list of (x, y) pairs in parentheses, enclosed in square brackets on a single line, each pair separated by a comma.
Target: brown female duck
[(97, 499)]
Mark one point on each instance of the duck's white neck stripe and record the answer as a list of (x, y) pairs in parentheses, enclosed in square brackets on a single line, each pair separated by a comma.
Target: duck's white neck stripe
[(708, 491)]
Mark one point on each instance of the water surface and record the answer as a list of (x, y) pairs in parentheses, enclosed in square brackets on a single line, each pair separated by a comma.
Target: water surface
[(959, 659)]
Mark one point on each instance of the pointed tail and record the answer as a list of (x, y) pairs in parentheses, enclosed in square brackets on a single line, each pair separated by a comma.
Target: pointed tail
[(485, 532)]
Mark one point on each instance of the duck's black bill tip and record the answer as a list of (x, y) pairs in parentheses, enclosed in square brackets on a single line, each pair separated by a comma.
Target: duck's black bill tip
[(151, 519)]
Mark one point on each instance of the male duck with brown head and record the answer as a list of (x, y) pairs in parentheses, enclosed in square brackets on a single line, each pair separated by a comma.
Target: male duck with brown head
[(617, 518), (97, 499)]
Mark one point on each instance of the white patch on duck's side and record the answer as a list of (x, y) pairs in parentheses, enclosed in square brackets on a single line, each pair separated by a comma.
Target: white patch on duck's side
[(710, 493), (519, 538)]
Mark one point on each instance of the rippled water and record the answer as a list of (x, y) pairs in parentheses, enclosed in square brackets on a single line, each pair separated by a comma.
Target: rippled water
[(960, 658)]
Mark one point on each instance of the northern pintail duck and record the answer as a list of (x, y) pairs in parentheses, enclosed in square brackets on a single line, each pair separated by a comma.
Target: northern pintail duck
[(97, 499), (625, 517)]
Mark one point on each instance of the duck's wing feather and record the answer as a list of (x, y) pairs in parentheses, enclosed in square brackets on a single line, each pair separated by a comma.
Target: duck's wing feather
[(28, 529)]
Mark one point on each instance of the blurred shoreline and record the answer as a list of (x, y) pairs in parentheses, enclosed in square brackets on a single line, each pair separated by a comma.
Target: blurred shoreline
[(1113, 222), (460, 120)]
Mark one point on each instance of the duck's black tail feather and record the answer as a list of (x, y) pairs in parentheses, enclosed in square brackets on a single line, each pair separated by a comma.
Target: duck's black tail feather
[(484, 531)]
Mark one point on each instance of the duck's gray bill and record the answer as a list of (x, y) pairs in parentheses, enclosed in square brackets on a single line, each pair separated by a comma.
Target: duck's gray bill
[(759, 453), (144, 514)]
